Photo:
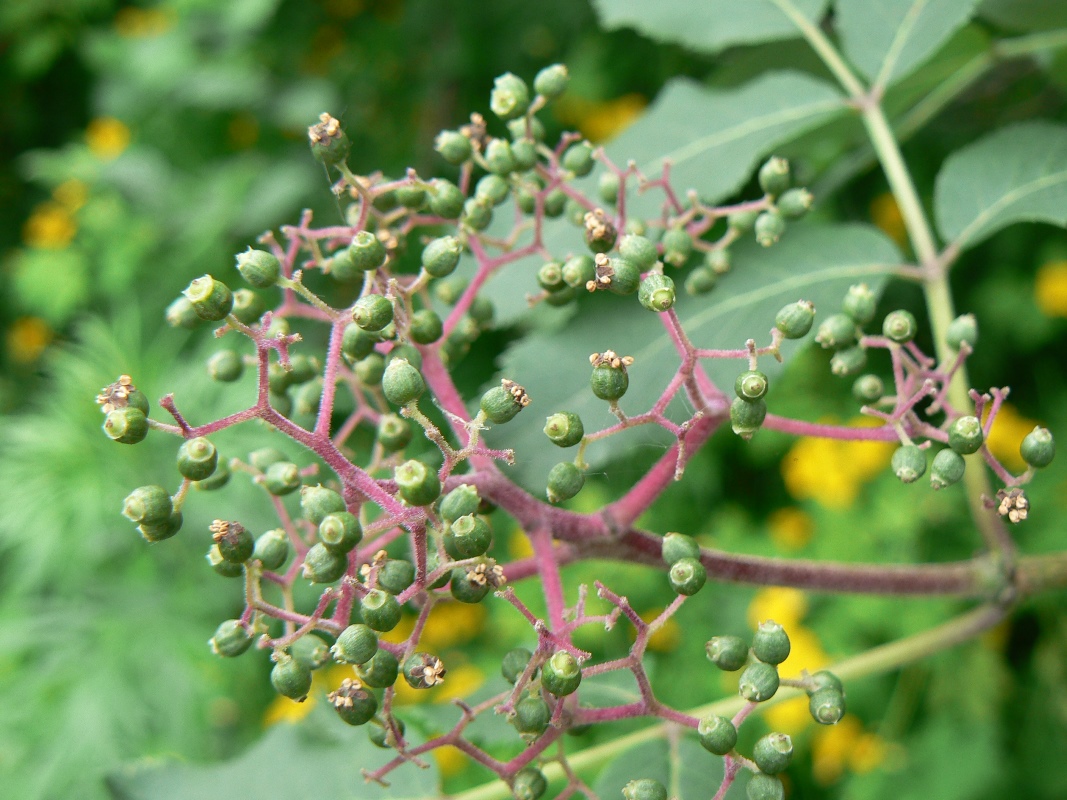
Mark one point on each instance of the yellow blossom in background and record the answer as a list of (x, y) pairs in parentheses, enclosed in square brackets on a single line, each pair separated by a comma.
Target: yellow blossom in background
[(667, 636), (519, 545), (845, 745), (107, 137), (1050, 289), (27, 338), (885, 213), (600, 121), (450, 760), (132, 22), (452, 623), (790, 528), (71, 194), (832, 471), (791, 716), (783, 604), (50, 227), (1007, 433)]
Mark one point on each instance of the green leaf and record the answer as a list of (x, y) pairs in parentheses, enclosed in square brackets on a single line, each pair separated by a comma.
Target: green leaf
[(696, 772), (1018, 174), (709, 26), (887, 40), (321, 758), (1024, 15), (812, 262)]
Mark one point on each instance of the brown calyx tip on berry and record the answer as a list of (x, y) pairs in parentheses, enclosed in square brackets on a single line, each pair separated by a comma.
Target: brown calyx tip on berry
[(116, 395), (475, 131), (325, 129), (1013, 504), (222, 529), (434, 673), (483, 574), (341, 697), (609, 359), (516, 391), (604, 271)]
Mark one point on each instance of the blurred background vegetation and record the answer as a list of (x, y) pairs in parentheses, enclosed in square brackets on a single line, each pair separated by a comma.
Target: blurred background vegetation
[(145, 144)]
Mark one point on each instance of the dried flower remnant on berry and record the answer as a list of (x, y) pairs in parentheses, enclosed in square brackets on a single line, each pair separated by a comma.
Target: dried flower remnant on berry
[(609, 359), (1013, 504), (600, 233), (116, 395)]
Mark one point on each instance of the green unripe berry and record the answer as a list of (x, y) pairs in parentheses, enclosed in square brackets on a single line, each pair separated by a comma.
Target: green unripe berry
[(310, 650), (551, 81), (607, 188), (656, 292), (728, 653), (259, 268), (687, 576), (402, 383), (234, 541), (147, 505), (770, 225), (758, 682), (492, 189), (962, 329), (770, 644), (381, 671), (470, 536), (423, 670), (460, 502), (608, 381), (272, 549), (248, 306), (795, 203), (578, 158), (329, 144), (406, 351), (231, 639), (564, 429), (357, 644), (746, 416), (323, 565), (524, 151), (158, 531), (908, 463), (396, 575), (617, 275), (340, 531), (965, 435), (265, 456), (773, 752), (279, 379), (469, 585), (550, 276), (501, 403), (514, 663), (765, 787), (353, 703), (701, 281), (518, 129), (226, 569), (394, 432), (281, 478), (385, 199), (481, 310), (219, 478), (1038, 448), (868, 389), (382, 736), (677, 546), (126, 425), (290, 678), (380, 610), (677, 246), (751, 385), (318, 501), (418, 483), (454, 147), (860, 303), (561, 674), (900, 326), (578, 271), (640, 251), (795, 319), (837, 332), (477, 214), (565, 480), (848, 361), (356, 343), (947, 468), (742, 221), (181, 314), (370, 370), (412, 196), (717, 734), (510, 97), (824, 679), (529, 784), (532, 716), (212, 300), (774, 176), (499, 157), (446, 200), (718, 261), (644, 789), (827, 706), (372, 312), (440, 256)]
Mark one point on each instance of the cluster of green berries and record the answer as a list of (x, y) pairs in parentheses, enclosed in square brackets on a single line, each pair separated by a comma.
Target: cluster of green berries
[(686, 573), (558, 675)]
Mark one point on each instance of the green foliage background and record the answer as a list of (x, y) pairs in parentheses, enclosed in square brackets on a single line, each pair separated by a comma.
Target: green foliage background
[(103, 662)]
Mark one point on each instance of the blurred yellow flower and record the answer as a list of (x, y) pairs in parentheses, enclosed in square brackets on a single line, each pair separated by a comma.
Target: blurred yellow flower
[(831, 471), (790, 528), (1007, 433), (450, 760), (791, 716), (1050, 289), (783, 604), (519, 545), (845, 745), (885, 213), (71, 194), (452, 623), (107, 137), (50, 226), (667, 636), (603, 120), (135, 22), (27, 338)]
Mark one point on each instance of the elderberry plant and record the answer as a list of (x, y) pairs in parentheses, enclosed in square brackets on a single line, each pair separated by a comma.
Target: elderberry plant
[(380, 522)]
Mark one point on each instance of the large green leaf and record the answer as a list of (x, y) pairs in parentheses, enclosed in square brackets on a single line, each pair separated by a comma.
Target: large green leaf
[(708, 26), (1024, 15), (887, 40), (697, 773), (1018, 174), (812, 262)]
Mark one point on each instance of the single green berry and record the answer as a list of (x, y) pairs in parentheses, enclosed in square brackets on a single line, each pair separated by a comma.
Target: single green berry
[(477, 214), (234, 541), (1038, 448), (717, 734), (460, 502), (824, 679), (323, 565), (417, 482), (765, 787), (499, 157), (408, 352), (380, 610), (385, 199), (272, 549), (640, 250), (519, 130), (795, 320), (532, 716), (908, 463), (394, 432), (565, 480), (281, 478), (147, 505), (311, 651), (746, 416), (529, 784), (607, 188), (578, 271), (524, 151), (356, 343), (329, 144), (770, 644), (492, 189), (402, 383), (454, 147), (774, 176), (751, 385), (369, 371), (868, 389), (795, 203), (501, 403), (962, 329), (219, 479), (126, 425), (412, 196), (514, 663), (947, 468), (687, 576), (561, 674), (827, 706), (860, 303), (718, 261), (381, 671), (395, 575), (550, 277), (470, 536), (423, 671), (656, 292), (231, 639), (226, 569), (248, 306), (446, 200), (290, 678), (742, 221), (965, 435), (481, 310), (383, 736), (510, 97), (609, 380), (848, 361), (677, 546), (770, 225), (837, 332), (259, 268), (473, 584), (677, 246), (701, 281), (212, 300), (262, 458), (372, 312), (758, 682), (578, 158), (356, 644), (353, 703), (318, 501), (644, 789), (900, 326), (551, 81), (441, 256), (181, 314), (773, 752), (158, 531), (564, 429), (728, 653), (340, 532)]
